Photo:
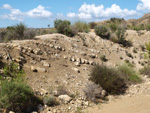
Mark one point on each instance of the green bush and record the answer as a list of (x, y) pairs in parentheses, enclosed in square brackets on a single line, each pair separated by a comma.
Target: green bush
[(17, 97), (102, 31), (15, 94), (113, 27), (81, 26), (120, 33), (63, 27), (92, 25), (108, 78), (145, 70), (12, 71), (129, 73), (17, 32)]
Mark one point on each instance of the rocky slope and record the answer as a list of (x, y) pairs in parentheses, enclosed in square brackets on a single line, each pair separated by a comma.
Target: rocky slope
[(54, 60)]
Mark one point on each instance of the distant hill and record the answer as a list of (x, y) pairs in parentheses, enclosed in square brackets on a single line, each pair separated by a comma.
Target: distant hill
[(143, 20)]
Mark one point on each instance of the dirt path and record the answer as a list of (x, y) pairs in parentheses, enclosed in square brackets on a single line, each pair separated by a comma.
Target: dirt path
[(135, 104)]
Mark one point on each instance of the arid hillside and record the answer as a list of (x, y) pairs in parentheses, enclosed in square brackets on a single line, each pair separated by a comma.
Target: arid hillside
[(54, 60)]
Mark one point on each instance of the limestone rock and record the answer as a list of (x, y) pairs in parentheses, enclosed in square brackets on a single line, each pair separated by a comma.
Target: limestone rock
[(39, 69), (65, 98), (44, 63), (37, 51), (77, 70)]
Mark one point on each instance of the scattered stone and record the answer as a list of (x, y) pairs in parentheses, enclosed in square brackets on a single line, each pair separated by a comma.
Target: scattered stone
[(72, 59), (65, 57), (77, 64), (44, 63), (11, 112), (33, 69), (39, 69), (77, 70), (33, 62), (65, 98), (37, 51), (92, 55)]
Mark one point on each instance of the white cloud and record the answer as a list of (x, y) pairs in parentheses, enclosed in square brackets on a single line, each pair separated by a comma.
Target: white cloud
[(71, 15), (7, 6), (84, 16), (90, 11), (15, 14), (144, 5), (39, 12)]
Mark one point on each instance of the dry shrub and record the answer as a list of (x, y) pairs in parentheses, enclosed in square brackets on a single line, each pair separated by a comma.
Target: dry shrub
[(92, 91)]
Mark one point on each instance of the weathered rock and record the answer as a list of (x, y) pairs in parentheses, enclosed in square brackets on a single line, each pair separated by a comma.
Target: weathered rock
[(77, 64), (44, 63), (37, 51), (65, 57), (77, 70), (92, 63), (33, 69), (72, 59), (11, 112), (78, 60), (92, 55), (65, 98), (39, 69), (33, 62), (82, 61)]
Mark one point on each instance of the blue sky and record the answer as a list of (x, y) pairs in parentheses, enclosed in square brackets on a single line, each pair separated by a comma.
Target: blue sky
[(40, 13)]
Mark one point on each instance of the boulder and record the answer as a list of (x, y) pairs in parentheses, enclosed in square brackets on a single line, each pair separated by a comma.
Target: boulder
[(77, 70), (37, 51), (39, 69), (65, 98), (44, 63)]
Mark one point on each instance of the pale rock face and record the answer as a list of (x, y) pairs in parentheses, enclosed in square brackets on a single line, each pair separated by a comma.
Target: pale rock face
[(65, 98), (37, 51), (77, 70), (44, 63), (38, 69)]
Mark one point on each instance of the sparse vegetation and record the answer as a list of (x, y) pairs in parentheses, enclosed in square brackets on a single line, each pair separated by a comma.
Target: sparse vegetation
[(15, 94), (81, 26), (17, 32), (145, 70), (92, 25), (108, 78), (63, 27), (114, 80), (129, 73), (61, 90), (17, 97), (92, 91), (148, 50), (51, 101), (102, 31)]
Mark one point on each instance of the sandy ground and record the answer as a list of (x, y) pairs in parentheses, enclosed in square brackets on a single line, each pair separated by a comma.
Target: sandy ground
[(135, 104)]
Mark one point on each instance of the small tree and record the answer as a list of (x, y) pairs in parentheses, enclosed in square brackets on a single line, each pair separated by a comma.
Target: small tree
[(63, 27), (102, 31)]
